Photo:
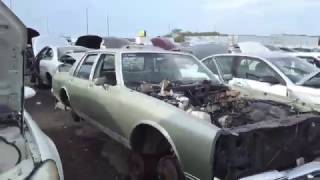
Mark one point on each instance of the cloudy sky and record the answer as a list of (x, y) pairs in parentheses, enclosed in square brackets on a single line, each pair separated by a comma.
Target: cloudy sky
[(127, 17)]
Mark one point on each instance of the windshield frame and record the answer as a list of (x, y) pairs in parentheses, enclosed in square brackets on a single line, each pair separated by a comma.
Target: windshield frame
[(214, 80)]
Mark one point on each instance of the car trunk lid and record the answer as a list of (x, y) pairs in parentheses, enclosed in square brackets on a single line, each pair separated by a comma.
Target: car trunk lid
[(13, 41)]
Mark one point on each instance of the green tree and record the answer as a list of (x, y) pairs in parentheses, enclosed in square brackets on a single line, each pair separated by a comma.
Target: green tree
[(180, 38)]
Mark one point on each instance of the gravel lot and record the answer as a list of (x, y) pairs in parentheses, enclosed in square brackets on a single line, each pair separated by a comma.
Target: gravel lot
[(86, 153)]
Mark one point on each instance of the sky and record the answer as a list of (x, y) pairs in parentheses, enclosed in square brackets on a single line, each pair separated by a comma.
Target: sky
[(127, 17)]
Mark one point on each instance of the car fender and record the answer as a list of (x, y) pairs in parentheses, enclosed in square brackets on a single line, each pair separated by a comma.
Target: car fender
[(161, 130), (45, 145)]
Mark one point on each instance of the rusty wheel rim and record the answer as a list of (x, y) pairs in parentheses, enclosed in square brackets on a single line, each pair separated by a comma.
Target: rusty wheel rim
[(167, 169)]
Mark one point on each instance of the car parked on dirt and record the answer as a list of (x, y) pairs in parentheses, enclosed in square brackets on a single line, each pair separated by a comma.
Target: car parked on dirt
[(181, 122), (26, 152), (49, 59), (272, 73)]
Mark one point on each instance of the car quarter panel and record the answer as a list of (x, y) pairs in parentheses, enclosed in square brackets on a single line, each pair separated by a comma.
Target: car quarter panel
[(192, 138)]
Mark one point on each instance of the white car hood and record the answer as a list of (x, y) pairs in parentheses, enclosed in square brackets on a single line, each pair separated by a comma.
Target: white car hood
[(40, 42), (13, 42)]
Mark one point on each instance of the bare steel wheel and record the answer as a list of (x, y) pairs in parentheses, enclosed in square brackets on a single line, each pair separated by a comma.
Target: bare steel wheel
[(169, 169), (136, 166)]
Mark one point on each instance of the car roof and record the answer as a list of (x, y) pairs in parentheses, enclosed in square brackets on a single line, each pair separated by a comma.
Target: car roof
[(136, 50)]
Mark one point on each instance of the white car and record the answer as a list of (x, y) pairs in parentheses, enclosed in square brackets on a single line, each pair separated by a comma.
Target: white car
[(25, 151), (311, 57), (271, 73), (49, 60)]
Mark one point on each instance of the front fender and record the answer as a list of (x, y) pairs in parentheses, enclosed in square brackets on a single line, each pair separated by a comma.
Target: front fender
[(161, 130), (193, 143)]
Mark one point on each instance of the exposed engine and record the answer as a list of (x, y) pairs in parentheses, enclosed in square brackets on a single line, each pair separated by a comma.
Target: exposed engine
[(258, 135), (216, 103)]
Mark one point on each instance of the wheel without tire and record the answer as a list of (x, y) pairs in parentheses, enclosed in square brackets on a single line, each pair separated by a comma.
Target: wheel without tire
[(136, 166), (169, 169)]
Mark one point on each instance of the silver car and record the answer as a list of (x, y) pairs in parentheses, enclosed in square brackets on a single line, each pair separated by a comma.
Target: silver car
[(271, 73)]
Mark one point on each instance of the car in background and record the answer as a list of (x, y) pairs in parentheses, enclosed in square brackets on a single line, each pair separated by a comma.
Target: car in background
[(68, 60), (310, 57), (156, 102), (48, 61), (26, 152), (253, 47), (301, 49), (286, 49), (272, 73)]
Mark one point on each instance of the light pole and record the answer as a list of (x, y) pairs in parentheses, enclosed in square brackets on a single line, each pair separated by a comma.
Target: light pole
[(108, 26), (87, 19), (11, 4)]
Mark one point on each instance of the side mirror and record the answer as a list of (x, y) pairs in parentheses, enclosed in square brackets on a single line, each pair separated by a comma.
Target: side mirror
[(269, 79), (100, 81), (227, 77), (29, 92)]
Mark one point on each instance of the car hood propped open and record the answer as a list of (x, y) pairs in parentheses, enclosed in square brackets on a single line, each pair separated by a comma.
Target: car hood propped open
[(13, 41)]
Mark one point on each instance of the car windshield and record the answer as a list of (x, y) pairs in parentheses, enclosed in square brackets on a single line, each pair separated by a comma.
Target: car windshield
[(295, 69), (156, 67)]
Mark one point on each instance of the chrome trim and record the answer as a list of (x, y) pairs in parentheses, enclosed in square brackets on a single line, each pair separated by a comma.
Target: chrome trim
[(190, 176)]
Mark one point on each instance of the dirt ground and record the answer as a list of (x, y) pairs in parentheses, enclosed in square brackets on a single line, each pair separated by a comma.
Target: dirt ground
[(86, 153)]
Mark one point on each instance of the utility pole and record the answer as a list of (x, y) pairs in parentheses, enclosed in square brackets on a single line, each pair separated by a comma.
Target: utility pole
[(87, 20), (47, 24), (108, 26)]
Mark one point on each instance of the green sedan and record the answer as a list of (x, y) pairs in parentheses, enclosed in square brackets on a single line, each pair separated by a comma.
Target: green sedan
[(180, 122)]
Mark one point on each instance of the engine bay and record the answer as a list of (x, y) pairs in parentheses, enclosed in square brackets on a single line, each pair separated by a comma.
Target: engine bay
[(257, 135), (217, 104)]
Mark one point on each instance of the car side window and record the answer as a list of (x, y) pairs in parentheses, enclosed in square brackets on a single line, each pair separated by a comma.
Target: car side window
[(85, 68), (211, 65), (253, 69), (106, 69), (226, 65), (42, 53), (48, 54), (66, 59)]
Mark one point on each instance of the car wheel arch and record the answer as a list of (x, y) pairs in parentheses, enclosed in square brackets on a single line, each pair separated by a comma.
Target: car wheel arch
[(156, 127), (64, 96)]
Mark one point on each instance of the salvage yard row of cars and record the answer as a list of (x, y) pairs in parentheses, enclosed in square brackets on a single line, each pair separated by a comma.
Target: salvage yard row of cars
[(228, 116)]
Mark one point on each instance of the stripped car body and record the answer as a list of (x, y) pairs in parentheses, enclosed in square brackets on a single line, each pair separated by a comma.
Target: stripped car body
[(156, 101), (26, 152)]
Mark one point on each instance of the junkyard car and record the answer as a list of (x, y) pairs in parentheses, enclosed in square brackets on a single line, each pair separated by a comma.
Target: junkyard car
[(180, 122), (25, 151), (272, 73), (310, 57), (49, 59)]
